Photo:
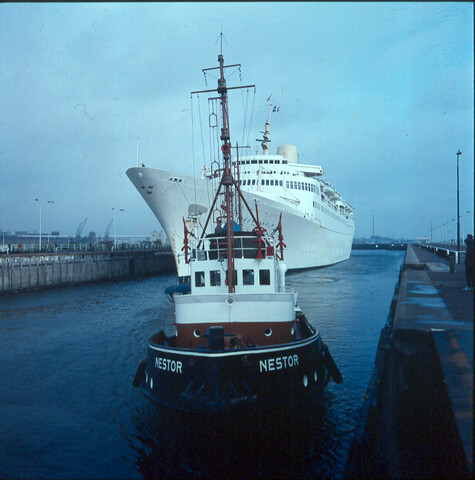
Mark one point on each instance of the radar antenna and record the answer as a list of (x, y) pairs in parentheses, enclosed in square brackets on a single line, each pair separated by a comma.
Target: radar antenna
[(266, 133)]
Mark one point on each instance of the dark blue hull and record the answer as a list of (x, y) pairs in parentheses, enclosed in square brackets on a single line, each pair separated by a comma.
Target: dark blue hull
[(221, 381)]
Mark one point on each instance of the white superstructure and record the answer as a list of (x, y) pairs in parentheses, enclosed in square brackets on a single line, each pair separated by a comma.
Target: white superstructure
[(318, 222)]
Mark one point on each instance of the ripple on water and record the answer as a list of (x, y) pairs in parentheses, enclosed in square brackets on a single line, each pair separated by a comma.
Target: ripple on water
[(68, 358)]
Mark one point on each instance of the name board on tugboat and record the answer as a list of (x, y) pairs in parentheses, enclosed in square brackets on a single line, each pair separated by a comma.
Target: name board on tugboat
[(278, 363), (173, 366)]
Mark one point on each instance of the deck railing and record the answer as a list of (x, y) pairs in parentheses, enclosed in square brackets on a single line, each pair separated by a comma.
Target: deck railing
[(245, 246)]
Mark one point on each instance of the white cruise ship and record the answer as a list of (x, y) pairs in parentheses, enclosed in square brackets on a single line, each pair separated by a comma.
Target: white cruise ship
[(318, 222)]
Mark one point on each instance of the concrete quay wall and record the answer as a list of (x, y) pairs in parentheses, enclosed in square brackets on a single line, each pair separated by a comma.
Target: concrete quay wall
[(25, 272), (417, 415)]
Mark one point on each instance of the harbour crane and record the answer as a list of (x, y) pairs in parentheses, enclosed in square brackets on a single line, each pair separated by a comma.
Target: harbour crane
[(108, 229), (80, 229)]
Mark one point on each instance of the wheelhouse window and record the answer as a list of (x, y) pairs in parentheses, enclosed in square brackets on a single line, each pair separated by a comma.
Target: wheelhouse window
[(264, 277), (248, 277), (235, 281), (199, 279), (215, 278), (198, 254)]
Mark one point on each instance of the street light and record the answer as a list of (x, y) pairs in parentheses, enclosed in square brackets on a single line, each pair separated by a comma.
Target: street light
[(458, 203), (113, 221), (39, 201)]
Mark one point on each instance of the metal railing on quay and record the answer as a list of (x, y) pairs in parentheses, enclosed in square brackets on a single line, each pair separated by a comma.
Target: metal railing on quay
[(445, 251), (32, 248)]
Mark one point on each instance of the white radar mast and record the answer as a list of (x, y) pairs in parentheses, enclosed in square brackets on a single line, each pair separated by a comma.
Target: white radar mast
[(266, 134)]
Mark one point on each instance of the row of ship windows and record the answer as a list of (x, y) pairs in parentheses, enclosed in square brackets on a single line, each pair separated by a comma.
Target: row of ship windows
[(260, 162), (294, 185), (247, 278)]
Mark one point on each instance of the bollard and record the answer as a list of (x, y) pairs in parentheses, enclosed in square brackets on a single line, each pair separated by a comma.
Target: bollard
[(216, 338), (451, 262)]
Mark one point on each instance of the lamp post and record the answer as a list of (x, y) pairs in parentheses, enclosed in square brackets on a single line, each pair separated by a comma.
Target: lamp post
[(39, 201), (113, 221), (458, 203)]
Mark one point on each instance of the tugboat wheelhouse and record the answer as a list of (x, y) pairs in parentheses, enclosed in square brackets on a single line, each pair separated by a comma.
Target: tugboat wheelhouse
[(240, 337)]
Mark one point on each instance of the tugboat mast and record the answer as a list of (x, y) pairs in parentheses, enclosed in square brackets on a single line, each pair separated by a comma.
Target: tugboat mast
[(227, 180)]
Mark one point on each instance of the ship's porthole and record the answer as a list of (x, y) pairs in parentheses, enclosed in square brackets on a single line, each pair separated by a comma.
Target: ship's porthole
[(197, 333), (151, 382), (315, 376), (268, 332), (305, 380)]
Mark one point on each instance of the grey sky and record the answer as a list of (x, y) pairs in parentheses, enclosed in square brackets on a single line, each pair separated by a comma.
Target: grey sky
[(379, 94)]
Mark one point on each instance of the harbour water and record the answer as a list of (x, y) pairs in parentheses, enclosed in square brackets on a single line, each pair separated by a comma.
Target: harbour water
[(68, 409)]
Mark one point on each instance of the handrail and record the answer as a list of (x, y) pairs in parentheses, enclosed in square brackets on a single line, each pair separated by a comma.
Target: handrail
[(18, 248), (245, 246), (438, 249)]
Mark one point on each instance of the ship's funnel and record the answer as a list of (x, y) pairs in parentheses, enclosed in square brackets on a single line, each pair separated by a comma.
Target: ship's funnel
[(289, 152)]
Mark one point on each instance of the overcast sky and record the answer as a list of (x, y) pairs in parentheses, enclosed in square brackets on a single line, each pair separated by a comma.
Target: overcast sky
[(379, 94)]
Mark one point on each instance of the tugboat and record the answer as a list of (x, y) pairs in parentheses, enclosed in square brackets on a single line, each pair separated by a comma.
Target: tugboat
[(240, 338)]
